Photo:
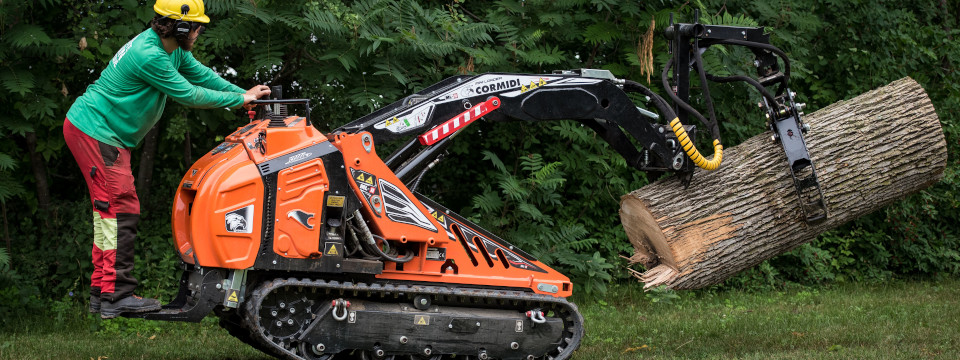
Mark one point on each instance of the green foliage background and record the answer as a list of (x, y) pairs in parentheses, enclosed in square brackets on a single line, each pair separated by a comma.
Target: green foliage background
[(551, 188)]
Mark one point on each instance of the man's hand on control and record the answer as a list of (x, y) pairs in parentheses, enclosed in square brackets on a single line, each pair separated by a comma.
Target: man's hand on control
[(255, 93)]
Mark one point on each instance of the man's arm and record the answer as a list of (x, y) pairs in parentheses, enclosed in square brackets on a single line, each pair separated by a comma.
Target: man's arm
[(201, 75), (160, 73)]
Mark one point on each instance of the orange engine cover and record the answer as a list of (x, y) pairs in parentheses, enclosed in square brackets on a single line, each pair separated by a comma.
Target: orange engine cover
[(219, 199), (300, 191), (218, 209)]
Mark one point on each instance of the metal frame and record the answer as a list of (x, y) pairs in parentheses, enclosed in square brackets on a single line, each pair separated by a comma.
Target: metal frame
[(781, 110), (599, 103)]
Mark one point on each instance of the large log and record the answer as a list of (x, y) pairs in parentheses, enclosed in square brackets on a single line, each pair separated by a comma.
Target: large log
[(869, 151)]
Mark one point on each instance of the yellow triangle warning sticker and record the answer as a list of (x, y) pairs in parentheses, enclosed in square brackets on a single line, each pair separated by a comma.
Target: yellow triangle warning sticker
[(333, 250), (233, 296), (421, 320), (367, 179)]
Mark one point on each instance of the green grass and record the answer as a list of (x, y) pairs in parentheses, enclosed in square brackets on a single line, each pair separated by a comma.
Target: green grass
[(92, 338), (896, 320), (905, 320)]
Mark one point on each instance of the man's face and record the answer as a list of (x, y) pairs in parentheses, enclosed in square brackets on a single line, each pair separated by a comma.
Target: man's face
[(187, 44)]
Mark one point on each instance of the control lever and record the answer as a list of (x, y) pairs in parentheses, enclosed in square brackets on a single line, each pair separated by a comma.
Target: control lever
[(280, 123)]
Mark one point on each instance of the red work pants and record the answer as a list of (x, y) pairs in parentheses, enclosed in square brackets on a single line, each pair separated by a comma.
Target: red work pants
[(116, 212)]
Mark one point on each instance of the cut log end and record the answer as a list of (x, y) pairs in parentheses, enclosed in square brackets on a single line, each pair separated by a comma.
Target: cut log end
[(645, 234)]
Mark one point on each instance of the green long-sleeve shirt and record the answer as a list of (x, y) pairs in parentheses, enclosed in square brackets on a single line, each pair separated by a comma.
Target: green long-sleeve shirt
[(128, 98)]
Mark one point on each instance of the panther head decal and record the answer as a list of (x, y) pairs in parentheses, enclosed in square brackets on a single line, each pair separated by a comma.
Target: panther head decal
[(238, 221)]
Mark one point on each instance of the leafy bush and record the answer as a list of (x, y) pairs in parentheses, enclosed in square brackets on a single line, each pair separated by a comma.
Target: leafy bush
[(520, 209), (17, 294), (54, 273), (4, 260)]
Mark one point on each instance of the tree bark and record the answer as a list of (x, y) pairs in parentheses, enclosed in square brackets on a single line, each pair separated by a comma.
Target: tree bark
[(40, 175), (869, 151), (145, 173)]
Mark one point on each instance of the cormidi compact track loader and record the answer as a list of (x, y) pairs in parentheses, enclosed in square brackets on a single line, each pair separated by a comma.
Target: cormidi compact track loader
[(315, 246)]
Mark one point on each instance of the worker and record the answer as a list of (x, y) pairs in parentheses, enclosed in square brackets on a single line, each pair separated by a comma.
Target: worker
[(111, 118)]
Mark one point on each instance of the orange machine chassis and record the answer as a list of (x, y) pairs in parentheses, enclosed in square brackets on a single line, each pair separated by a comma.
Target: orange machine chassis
[(245, 206)]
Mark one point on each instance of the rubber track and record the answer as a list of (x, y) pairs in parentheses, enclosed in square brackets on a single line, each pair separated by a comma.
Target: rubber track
[(464, 297)]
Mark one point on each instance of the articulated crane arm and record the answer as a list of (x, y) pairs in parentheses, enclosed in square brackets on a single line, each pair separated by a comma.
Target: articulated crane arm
[(593, 97), (599, 100)]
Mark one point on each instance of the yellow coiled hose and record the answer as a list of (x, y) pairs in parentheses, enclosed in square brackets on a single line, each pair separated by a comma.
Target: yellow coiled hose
[(691, 150)]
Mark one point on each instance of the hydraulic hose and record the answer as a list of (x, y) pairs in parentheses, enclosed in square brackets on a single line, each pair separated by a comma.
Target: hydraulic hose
[(673, 96), (406, 257), (768, 47), (662, 106), (708, 100), (372, 245), (692, 151), (688, 147), (354, 240), (726, 79)]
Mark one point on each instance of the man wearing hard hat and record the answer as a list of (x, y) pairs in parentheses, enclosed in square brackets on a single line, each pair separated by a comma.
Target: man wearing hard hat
[(114, 114)]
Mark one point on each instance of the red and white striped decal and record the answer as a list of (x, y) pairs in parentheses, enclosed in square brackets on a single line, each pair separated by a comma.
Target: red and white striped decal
[(458, 122)]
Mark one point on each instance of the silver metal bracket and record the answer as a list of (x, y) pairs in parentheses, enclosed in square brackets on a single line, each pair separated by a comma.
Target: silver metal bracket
[(788, 129), (234, 286), (588, 73)]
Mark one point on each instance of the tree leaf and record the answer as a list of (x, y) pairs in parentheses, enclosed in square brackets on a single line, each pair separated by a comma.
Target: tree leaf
[(497, 163), (7, 162), (25, 35), (9, 187), (17, 81), (601, 33), (4, 258)]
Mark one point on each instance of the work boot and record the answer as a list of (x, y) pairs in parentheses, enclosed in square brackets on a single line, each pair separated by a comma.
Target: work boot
[(94, 304), (130, 304)]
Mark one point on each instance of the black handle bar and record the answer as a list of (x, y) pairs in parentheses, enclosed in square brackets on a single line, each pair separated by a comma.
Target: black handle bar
[(281, 101), (285, 101)]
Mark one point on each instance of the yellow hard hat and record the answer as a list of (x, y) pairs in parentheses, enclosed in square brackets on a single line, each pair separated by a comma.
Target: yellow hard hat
[(186, 10)]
